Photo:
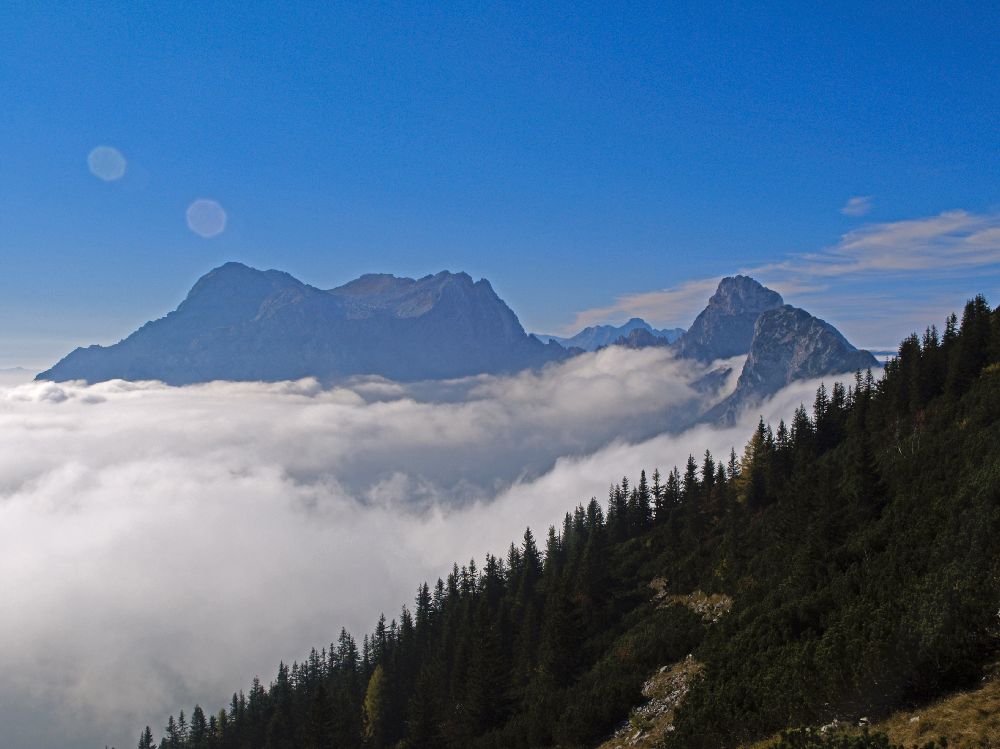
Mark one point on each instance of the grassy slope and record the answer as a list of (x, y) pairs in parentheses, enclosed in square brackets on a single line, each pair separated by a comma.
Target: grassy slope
[(969, 719)]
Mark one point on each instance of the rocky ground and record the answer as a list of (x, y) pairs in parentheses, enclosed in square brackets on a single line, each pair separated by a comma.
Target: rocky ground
[(711, 607), (651, 721)]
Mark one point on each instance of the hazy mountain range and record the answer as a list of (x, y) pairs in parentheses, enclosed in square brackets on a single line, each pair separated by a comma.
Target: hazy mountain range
[(239, 323), (596, 336)]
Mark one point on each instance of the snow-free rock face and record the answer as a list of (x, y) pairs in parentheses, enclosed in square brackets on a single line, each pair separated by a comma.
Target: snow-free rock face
[(725, 327), (598, 336), (790, 344), (238, 323)]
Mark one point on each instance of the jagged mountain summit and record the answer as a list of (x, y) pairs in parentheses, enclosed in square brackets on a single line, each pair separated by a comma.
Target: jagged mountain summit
[(782, 344), (789, 344), (239, 323), (725, 327), (597, 336)]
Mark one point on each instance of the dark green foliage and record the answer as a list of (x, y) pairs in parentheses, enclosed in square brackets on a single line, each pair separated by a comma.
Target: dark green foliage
[(146, 739), (859, 544)]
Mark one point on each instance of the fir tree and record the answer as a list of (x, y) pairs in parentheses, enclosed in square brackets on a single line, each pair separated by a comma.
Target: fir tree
[(146, 740)]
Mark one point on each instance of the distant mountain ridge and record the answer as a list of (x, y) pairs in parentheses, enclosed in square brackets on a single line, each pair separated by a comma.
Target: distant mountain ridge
[(239, 323), (597, 336)]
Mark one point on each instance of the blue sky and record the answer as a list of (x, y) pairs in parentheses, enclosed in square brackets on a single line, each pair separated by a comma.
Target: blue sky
[(591, 160)]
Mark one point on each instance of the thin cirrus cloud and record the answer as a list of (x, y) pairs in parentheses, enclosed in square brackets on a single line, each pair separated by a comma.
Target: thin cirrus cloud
[(901, 260), (859, 205), (951, 241), (195, 536)]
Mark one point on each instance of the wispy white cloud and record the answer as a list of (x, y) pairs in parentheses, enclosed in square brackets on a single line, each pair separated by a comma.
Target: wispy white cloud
[(670, 304), (859, 205), (951, 241)]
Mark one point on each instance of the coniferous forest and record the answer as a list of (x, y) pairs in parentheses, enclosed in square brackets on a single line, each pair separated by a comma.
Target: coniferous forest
[(859, 544)]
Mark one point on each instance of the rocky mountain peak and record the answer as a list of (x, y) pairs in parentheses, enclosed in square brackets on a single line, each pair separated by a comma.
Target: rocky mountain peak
[(238, 323), (232, 293), (739, 294), (790, 344), (726, 326)]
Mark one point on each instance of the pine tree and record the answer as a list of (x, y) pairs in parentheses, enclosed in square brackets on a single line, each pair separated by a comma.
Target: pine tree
[(689, 489), (972, 347), (146, 740), (658, 497), (553, 552), (708, 474), (198, 735), (172, 734), (256, 712), (643, 512), (531, 561)]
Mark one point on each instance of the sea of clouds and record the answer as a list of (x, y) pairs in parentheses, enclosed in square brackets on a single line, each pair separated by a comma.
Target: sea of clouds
[(159, 546)]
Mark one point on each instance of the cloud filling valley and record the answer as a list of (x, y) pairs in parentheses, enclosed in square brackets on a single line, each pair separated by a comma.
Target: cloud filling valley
[(159, 546)]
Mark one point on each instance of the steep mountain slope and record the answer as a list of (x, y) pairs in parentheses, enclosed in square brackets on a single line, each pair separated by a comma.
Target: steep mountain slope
[(238, 323), (789, 344), (596, 336), (855, 553)]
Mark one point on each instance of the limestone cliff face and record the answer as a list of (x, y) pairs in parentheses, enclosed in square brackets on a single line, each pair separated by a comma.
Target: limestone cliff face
[(238, 323)]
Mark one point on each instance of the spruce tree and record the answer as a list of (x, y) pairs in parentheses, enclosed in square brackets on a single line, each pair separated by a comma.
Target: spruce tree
[(146, 740), (198, 735)]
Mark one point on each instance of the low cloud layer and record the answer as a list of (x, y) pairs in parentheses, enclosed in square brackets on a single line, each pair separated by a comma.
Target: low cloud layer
[(159, 546)]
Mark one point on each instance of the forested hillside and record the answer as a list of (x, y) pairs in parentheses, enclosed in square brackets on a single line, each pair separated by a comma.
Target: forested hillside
[(859, 546)]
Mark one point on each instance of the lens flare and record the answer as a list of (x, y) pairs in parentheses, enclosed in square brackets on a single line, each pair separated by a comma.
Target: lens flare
[(206, 218), (106, 163)]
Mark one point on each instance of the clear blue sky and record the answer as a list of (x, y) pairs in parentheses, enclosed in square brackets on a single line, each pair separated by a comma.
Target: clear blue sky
[(571, 153)]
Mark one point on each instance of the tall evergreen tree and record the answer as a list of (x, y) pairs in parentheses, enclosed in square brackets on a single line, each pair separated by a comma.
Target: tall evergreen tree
[(146, 739)]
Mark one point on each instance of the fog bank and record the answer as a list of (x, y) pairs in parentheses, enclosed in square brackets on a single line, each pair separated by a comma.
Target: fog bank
[(159, 546)]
